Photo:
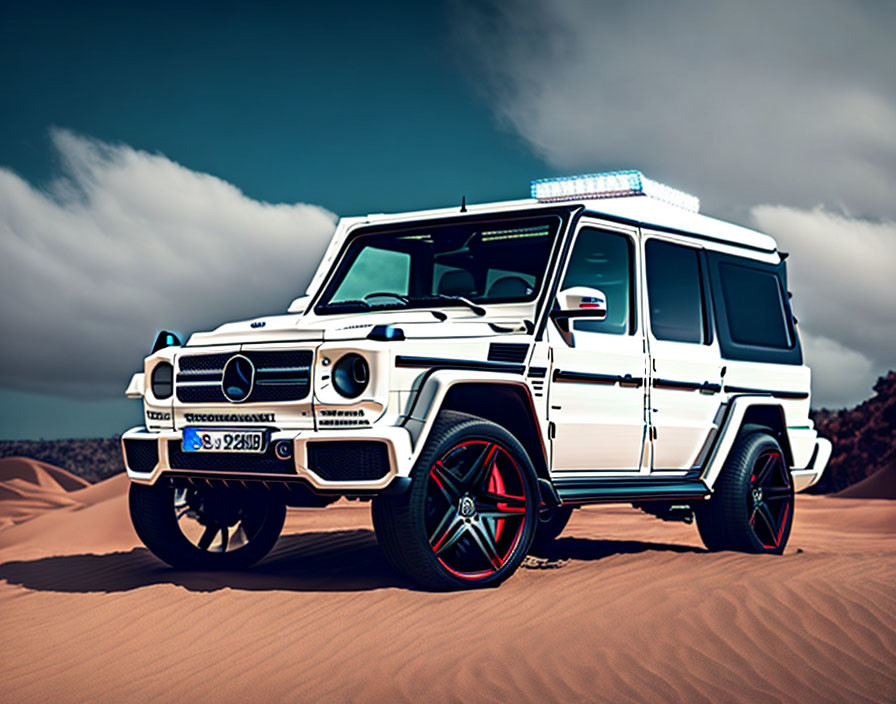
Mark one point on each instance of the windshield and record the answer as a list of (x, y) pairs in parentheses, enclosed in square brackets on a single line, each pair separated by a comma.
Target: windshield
[(499, 261)]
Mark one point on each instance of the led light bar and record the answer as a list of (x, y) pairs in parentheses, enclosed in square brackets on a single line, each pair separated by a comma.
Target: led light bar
[(611, 184)]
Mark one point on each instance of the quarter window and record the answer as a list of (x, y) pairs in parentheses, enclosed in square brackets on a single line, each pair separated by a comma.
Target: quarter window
[(755, 307), (674, 292), (603, 260)]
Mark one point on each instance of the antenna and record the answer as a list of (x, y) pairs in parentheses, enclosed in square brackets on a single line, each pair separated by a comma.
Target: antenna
[(463, 204)]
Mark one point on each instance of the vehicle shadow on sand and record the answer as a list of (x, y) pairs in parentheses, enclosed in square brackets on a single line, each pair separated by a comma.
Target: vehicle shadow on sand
[(330, 561)]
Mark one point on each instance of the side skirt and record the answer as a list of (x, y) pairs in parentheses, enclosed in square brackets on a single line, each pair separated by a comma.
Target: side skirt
[(588, 491)]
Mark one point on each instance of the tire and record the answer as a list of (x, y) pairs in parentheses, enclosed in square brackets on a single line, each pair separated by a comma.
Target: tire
[(199, 528), (751, 508), (548, 531), (470, 514)]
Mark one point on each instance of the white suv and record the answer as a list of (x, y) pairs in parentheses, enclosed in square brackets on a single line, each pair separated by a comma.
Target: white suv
[(479, 373)]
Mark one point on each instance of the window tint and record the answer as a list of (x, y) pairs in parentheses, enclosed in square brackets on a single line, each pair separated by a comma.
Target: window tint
[(754, 306), (674, 292), (432, 263), (603, 260), (375, 271)]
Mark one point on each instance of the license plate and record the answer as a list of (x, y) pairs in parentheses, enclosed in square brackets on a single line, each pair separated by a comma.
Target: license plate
[(198, 440)]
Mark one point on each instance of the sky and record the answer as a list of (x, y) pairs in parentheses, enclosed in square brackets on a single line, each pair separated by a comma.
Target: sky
[(151, 151)]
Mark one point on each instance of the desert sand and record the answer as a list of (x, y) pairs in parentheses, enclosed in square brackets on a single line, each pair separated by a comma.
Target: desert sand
[(624, 609)]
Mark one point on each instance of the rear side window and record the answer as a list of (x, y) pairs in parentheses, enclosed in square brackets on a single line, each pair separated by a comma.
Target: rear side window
[(674, 292), (603, 260), (755, 306), (752, 312)]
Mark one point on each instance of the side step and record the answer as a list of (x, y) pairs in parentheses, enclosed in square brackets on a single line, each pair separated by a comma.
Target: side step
[(587, 491)]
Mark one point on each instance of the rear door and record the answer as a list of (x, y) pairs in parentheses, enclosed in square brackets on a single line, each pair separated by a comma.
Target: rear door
[(597, 391), (685, 364)]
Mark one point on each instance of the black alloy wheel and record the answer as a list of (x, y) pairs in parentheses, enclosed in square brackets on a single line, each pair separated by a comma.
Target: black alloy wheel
[(771, 499), (751, 508), (470, 514), (206, 527)]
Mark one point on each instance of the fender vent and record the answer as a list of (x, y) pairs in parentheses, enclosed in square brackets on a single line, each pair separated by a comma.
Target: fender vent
[(508, 352)]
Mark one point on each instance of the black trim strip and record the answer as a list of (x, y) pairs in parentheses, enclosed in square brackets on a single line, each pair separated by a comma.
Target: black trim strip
[(679, 385), (776, 394), (704, 388), (538, 372), (464, 364), (627, 381)]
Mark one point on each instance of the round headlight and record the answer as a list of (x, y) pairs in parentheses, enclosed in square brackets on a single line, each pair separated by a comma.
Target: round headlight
[(162, 378), (351, 375)]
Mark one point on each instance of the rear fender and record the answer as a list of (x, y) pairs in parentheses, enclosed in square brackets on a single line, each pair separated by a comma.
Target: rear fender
[(747, 414)]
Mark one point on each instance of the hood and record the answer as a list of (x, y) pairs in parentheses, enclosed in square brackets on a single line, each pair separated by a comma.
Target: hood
[(302, 328)]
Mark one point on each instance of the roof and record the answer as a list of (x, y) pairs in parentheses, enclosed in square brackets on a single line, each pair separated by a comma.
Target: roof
[(639, 210)]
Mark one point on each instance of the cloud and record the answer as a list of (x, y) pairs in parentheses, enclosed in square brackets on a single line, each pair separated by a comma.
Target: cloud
[(740, 103), (125, 243), (841, 377), (842, 274)]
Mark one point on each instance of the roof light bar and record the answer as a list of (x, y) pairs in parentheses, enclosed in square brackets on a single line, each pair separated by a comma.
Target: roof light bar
[(611, 184)]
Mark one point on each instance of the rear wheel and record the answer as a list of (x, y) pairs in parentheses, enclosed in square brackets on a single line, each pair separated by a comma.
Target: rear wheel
[(205, 528), (751, 509), (469, 516)]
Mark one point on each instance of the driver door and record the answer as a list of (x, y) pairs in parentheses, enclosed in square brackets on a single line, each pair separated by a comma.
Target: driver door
[(597, 391)]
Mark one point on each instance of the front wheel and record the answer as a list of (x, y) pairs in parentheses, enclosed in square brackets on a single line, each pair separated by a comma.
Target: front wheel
[(204, 527), (751, 509), (470, 514)]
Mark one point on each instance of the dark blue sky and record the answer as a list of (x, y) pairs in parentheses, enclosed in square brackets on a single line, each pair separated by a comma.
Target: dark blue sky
[(353, 106)]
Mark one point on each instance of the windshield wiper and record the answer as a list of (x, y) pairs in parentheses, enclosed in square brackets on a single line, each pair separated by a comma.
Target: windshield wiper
[(478, 310)]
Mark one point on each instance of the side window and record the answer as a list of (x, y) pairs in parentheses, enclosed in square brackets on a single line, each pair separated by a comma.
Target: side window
[(378, 270), (603, 260), (752, 313), (674, 292), (754, 306)]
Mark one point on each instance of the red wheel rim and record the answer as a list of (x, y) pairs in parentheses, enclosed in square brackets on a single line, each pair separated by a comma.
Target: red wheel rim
[(771, 499), (476, 503)]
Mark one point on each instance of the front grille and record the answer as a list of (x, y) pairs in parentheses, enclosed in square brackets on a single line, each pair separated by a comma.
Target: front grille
[(280, 375), (141, 455), (348, 460), (266, 463), (507, 352)]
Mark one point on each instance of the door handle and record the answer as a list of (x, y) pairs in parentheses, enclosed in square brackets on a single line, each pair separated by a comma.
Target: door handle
[(708, 388)]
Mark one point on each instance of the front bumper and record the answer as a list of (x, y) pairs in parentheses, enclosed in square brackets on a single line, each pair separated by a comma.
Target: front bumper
[(317, 457)]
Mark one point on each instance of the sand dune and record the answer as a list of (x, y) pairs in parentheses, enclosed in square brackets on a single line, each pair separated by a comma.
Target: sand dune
[(624, 608), (880, 485)]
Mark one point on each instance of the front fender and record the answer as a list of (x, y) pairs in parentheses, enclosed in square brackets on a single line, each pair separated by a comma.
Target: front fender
[(435, 387)]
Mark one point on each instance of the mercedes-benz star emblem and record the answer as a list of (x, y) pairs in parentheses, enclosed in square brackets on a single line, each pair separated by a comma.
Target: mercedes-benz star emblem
[(467, 507), (238, 379)]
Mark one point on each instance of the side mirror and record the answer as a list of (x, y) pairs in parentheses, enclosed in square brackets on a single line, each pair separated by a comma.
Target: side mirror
[(579, 302)]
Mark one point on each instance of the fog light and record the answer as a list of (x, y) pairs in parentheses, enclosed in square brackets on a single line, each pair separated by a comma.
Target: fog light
[(283, 449)]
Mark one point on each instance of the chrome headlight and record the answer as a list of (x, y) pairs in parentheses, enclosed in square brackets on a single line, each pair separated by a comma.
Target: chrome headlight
[(162, 380)]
